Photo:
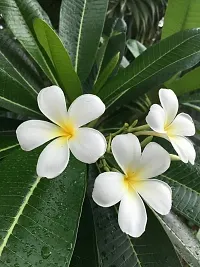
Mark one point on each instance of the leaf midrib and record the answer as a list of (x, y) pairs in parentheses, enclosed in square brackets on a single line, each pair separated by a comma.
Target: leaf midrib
[(128, 238), (19, 74), (79, 36), (183, 185), (44, 66), (186, 15), (19, 105), (147, 79), (19, 213), (8, 147)]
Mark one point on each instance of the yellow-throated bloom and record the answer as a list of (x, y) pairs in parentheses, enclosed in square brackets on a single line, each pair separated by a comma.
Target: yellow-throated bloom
[(163, 120), (127, 187), (86, 144)]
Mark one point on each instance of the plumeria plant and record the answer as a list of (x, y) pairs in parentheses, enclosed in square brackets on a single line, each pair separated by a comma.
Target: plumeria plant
[(96, 165)]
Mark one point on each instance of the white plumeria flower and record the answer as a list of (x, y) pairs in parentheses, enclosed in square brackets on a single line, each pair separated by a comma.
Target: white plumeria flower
[(86, 144), (163, 120), (127, 187)]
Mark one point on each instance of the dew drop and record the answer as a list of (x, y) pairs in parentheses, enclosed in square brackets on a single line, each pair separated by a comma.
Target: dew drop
[(70, 247), (45, 252)]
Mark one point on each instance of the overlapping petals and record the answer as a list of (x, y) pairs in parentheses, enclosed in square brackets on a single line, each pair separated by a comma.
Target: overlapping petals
[(164, 121), (86, 144), (128, 187)]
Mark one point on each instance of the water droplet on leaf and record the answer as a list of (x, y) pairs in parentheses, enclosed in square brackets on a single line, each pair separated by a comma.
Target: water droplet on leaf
[(70, 247), (45, 252)]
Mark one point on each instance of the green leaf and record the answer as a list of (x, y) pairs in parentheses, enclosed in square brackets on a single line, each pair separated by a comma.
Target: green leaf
[(39, 217), (106, 73), (60, 59), (135, 47), (81, 25), (153, 67), (124, 63), (118, 249), (181, 15), (85, 253), (184, 181), (193, 106), (7, 144), (112, 43), (101, 53), (8, 139), (115, 45), (14, 97), (191, 103), (18, 64), (183, 238), (187, 83), (19, 16), (8, 125)]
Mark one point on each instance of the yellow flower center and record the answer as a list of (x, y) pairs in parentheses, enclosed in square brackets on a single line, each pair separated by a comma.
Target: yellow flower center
[(68, 130), (130, 179), (169, 129)]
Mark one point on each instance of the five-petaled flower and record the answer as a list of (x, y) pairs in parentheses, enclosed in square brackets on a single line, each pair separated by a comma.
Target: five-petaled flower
[(164, 121), (86, 144), (127, 187)]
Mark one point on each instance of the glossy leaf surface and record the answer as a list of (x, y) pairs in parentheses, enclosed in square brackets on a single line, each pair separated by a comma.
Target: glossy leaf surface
[(81, 25), (39, 217), (19, 16), (153, 67), (60, 59), (181, 15)]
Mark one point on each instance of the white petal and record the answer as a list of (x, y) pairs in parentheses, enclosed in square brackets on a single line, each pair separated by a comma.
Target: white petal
[(156, 118), (154, 161), (182, 125), (157, 194), (88, 145), (126, 151), (108, 189), (34, 133), (54, 158), (86, 108), (51, 101), (132, 215), (184, 148), (169, 103)]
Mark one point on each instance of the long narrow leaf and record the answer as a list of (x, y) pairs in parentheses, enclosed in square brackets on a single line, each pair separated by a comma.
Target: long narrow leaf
[(106, 73), (14, 97), (81, 25), (184, 180), (39, 217), (60, 59), (181, 15), (18, 64), (8, 144), (19, 16), (183, 238), (153, 67), (188, 83)]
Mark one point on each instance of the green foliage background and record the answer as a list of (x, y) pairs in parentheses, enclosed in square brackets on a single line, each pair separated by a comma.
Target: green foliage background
[(115, 50)]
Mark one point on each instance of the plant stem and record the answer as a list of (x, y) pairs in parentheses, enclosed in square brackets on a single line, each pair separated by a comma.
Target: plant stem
[(152, 133), (174, 157), (146, 141)]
